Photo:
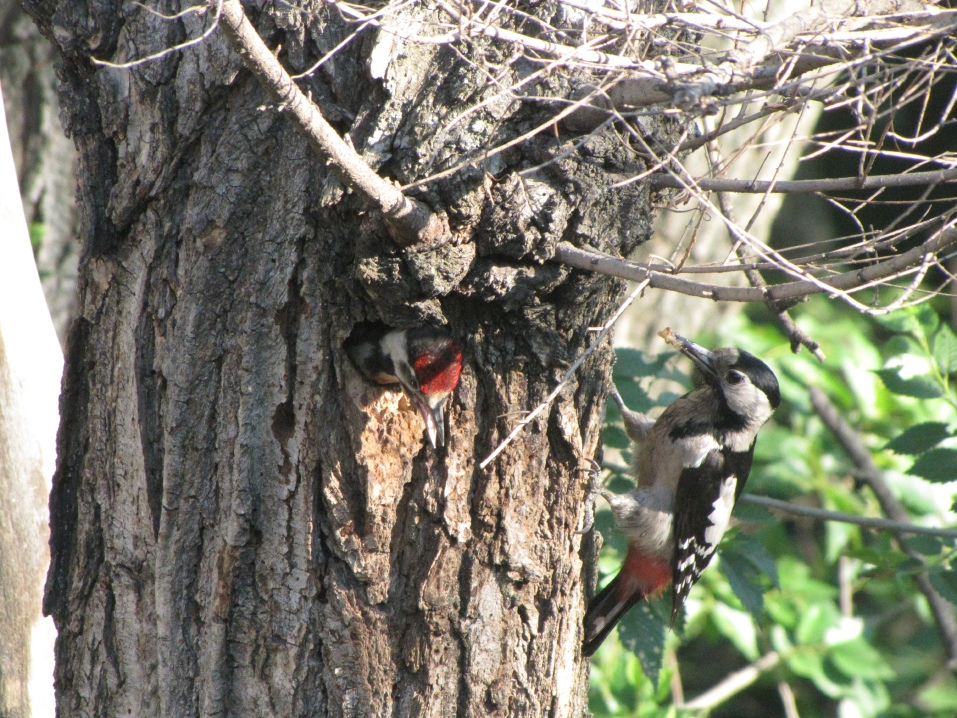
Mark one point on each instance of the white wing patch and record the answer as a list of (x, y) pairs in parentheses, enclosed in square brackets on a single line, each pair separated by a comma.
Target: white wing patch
[(720, 513)]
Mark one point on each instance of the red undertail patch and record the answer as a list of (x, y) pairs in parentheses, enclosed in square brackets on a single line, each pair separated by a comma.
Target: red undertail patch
[(645, 574)]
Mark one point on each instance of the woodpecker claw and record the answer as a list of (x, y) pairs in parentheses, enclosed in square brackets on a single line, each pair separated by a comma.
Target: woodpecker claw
[(637, 425), (595, 489)]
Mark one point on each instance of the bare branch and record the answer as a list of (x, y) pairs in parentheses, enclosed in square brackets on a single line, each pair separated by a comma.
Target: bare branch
[(911, 179), (897, 266), (865, 521), (690, 87), (562, 52), (813, 20), (410, 221), (941, 609)]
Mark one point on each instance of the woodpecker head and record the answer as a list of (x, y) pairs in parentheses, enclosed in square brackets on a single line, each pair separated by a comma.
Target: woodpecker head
[(426, 361), (746, 384)]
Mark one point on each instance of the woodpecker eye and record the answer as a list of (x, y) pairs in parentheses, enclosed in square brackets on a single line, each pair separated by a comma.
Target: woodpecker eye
[(734, 377)]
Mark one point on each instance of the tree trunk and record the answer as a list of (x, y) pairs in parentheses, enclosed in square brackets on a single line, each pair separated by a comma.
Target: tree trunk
[(44, 158), (241, 524), (30, 366)]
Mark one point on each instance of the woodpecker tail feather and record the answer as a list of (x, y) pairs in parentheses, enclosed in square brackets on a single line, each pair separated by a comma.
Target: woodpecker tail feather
[(604, 612)]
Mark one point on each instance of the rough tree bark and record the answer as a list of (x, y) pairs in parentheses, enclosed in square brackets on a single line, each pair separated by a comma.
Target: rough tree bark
[(241, 524)]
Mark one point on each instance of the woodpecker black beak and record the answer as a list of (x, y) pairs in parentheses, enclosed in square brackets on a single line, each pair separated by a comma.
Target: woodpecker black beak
[(702, 358), (434, 416)]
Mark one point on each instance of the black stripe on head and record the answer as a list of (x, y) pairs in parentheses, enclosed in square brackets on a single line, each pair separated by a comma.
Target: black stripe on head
[(760, 375)]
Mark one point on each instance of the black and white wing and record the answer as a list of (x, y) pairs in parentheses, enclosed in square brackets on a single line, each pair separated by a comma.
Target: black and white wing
[(703, 504)]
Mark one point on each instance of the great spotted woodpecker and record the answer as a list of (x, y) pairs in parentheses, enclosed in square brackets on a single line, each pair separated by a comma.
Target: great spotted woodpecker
[(690, 465), (426, 361)]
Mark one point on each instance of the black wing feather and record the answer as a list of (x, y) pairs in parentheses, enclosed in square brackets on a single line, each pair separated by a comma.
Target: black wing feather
[(698, 489), (604, 612)]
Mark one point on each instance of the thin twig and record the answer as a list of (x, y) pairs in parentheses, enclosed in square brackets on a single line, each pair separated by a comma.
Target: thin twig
[(769, 254), (196, 9), (826, 515), (734, 683), (563, 52), (623, 20), (877, 273), (788, 700), (811, 512), (719, 184), (796, 336)]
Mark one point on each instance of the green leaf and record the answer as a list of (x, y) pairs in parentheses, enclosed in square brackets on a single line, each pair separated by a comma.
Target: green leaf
[(921, 387), (901, 322), (885, 562), (913, 320), (940, 697), (945, 349), (902, 344), (742, 577), (815, 622), (920, 438), (738, 628), (937, 465), (631, 363), (871, 699), (809, 664), (859, 659), (753, 514), (837, 538), (643, 633), (754, 552), (37, 231), (924, 544), (945, 581), (927, 318), (614, 437), (911, 566)]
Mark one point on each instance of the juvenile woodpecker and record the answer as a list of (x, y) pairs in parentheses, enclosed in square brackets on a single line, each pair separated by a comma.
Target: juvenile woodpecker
[(691, 465), (426, 361)]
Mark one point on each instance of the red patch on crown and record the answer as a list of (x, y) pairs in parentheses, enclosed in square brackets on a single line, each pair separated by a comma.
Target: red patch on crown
[(438, 372)]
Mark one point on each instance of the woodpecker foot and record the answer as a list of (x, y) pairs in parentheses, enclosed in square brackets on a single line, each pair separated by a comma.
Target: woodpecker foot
[(637, 425), (595, 489)]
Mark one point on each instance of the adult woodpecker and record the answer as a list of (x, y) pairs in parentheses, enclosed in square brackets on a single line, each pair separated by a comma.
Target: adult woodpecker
[(691, 465), (426, 361)]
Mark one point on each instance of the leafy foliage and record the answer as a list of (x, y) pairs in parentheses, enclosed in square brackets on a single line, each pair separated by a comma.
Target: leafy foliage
[(833, 608)]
